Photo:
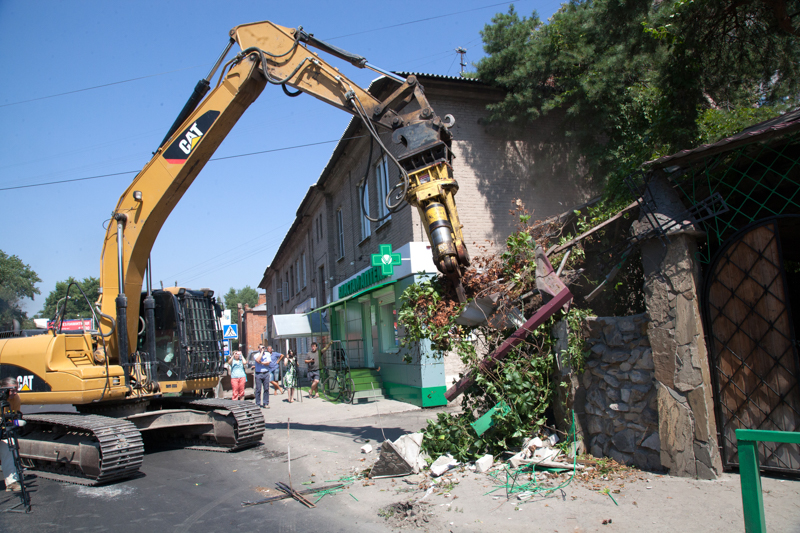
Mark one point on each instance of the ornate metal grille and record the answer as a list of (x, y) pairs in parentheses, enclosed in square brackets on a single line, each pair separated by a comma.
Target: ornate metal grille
[(755, 365)]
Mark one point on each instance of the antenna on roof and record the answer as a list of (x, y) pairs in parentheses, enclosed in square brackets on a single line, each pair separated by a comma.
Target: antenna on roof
[(462, 52)]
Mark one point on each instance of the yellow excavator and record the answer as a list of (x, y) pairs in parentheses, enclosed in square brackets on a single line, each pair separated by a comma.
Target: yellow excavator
[(155, 356)]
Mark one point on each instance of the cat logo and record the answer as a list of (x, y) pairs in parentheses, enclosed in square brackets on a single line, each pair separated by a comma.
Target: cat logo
[(182, 147), (25, 383), (192, 137)]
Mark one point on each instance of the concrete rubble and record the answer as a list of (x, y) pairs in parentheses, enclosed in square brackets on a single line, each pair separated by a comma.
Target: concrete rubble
[(402, 457)]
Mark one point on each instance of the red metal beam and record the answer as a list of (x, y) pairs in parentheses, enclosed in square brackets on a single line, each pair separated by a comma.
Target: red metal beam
[(538, 318)]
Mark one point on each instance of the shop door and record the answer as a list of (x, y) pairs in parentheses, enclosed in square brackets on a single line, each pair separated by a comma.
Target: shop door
[(368, 321)]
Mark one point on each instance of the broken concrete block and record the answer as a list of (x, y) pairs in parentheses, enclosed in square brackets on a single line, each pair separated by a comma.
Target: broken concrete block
[(409, 447), (442, 465), (366, 448), (484, 463), (390, 463)]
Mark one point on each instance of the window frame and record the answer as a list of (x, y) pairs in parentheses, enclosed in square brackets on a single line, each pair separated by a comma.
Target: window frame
[(366, 226), (340, 232), (382, 180)]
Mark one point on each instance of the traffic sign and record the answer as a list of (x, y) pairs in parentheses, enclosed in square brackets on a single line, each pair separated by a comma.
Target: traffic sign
[(230, 331)]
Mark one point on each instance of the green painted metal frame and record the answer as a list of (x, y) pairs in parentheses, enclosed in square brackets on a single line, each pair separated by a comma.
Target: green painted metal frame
[(749, 476)]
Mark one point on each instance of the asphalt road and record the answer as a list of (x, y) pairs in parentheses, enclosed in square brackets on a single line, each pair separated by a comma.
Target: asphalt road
[(182, 490)]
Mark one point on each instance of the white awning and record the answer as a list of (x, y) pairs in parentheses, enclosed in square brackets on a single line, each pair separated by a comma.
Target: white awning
[(296, 325)]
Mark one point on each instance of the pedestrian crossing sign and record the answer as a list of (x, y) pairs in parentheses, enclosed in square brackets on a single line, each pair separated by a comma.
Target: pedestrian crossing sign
[(231, 331)]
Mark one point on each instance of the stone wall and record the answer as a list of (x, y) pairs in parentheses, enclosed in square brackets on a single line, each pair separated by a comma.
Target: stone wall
[(687, 425), (621, 406)]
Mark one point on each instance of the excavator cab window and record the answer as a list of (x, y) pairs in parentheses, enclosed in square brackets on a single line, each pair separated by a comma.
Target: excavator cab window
[(168, 345)]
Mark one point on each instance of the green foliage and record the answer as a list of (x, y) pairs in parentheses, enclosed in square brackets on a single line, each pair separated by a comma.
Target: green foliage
[(523, 381), (233, 298), (17, 282), (576, 346), (519, 262), (717, 124), (423, 318), (631, 80), (77, 306)]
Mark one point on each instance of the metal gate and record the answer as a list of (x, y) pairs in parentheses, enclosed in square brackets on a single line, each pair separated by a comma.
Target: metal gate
[(751, 336)]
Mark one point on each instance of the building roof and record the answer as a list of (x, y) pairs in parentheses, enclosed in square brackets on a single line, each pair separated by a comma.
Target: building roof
[(769, 129)]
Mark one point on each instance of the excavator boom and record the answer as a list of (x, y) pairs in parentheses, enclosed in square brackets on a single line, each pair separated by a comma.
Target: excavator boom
[(126, 379)]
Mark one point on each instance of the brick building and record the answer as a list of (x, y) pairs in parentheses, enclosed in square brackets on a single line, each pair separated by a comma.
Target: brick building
[(252, 325), (323, 264)]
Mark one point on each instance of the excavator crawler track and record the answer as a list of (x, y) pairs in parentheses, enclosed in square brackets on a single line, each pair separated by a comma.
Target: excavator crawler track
[(119, 442), (247, 417)]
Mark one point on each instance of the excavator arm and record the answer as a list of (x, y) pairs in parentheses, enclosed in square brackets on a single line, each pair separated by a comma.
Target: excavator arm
[(278, 55)]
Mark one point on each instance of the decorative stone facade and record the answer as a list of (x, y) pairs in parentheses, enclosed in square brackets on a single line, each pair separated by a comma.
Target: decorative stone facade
[(687, 425), (620, 410)]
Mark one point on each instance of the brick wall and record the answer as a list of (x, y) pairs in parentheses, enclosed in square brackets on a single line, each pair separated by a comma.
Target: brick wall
[(254, 322)]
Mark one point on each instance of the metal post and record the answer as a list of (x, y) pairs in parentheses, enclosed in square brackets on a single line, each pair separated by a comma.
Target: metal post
[(752, 499)]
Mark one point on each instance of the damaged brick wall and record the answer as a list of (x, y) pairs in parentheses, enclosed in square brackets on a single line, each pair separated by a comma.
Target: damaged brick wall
[(620, 410)]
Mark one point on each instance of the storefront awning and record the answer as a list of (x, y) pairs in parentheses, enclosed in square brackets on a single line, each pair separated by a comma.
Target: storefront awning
[(356, 295), (294, 326)]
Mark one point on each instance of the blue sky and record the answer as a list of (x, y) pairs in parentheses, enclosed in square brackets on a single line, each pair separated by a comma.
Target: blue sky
[(228, 226)]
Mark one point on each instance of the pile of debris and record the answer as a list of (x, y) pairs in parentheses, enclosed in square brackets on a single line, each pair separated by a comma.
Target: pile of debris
[(543, 453)]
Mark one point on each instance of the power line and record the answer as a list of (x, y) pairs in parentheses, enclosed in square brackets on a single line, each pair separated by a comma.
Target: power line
[(213, 159), (195, 66), (416, 21), (98, 86)]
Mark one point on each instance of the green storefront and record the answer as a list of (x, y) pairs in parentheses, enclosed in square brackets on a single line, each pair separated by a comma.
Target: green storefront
[(363, 322)]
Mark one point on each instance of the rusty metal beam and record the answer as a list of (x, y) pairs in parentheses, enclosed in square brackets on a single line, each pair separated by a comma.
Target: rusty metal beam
[(488, 364)]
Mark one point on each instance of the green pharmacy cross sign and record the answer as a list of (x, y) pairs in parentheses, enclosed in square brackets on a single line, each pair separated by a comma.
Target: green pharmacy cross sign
[(386, 259)]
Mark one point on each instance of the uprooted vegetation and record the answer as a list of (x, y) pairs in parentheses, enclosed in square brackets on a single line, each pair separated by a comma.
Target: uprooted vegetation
[(525, 379)]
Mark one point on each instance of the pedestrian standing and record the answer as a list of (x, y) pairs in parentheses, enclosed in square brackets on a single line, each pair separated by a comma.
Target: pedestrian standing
[(238, 376), (290, 377), (275, 359), (312, 361), (261, 378)]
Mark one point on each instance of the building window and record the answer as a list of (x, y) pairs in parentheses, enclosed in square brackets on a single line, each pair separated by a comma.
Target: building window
[(382, 178), (299, 275), (390, 341), (322, 292), (303, 267), (363, 202), (340, 231), (291, 280)]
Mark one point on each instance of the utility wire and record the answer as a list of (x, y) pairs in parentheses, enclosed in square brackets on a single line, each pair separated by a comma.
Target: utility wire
[(98, 86), (225, 253), (418, 20), (213, 159), (195, 66)]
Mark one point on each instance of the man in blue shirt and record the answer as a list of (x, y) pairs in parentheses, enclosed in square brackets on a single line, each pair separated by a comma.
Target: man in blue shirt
[(275, 359), (261, 378)]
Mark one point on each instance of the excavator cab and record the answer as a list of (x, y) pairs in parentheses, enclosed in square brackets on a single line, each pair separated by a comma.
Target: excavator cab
[(188, 336)]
